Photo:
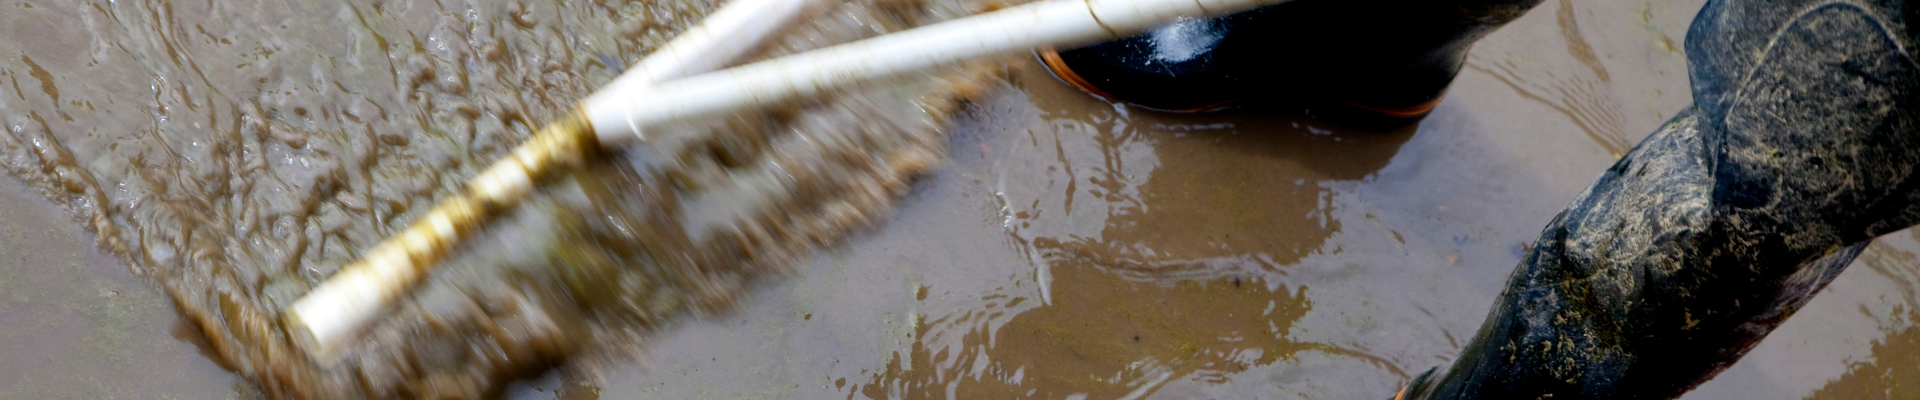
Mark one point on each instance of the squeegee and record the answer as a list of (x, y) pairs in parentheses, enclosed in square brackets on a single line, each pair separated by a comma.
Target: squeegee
[(673, 84)]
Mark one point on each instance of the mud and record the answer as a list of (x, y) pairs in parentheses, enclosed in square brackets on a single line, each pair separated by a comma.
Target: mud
[(1070, 249), (311, 139)]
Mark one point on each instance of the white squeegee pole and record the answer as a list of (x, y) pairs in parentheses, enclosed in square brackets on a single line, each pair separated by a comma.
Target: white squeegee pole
[(325, 318), (725, 35), (620, 116)]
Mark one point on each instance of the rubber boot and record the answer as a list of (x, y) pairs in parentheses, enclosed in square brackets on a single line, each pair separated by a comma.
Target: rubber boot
[(1801, 147), (1386, 58), (1175, 67)]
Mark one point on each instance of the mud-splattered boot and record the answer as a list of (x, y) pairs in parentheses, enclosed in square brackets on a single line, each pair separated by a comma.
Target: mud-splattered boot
[(1801, 147), (1384, 58)]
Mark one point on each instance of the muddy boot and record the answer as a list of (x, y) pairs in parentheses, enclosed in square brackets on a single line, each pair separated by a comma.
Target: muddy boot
[(1383, 58), (1801, 147)]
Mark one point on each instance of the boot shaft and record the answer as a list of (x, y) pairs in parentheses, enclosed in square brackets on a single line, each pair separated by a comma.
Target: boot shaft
[(1801, 147)]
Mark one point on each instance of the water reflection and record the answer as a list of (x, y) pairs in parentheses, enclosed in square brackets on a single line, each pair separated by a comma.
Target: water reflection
[(1892, 373), (1892, 369), (1160, 244), (1171, 196), (1104, 336)]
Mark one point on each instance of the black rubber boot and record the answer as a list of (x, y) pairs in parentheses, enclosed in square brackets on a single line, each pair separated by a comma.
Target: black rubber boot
[(1389, 58), (1175, 67), (1801, 147)]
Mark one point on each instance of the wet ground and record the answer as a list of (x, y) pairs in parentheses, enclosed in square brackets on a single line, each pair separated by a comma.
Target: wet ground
[(1078, 249), (77, 325)]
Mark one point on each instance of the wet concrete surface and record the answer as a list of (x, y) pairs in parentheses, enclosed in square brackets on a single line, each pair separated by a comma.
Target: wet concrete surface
[(1079, 249), (75, 324)]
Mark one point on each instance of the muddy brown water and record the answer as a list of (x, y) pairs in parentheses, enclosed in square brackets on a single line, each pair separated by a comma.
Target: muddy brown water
[(1069, 248)]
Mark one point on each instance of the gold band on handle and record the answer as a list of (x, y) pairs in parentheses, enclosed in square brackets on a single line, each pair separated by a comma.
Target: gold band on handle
[(337, 310)]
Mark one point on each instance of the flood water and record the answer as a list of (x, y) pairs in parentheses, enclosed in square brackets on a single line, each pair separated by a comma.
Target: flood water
[(1069, 248)]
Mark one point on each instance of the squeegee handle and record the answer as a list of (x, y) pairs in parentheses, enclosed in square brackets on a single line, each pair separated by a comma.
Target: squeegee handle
[(324, 320), (718, 40), (622, 116)]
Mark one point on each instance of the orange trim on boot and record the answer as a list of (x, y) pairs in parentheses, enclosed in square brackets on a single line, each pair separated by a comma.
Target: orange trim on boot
[(1051, 57), (1413, 111)]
